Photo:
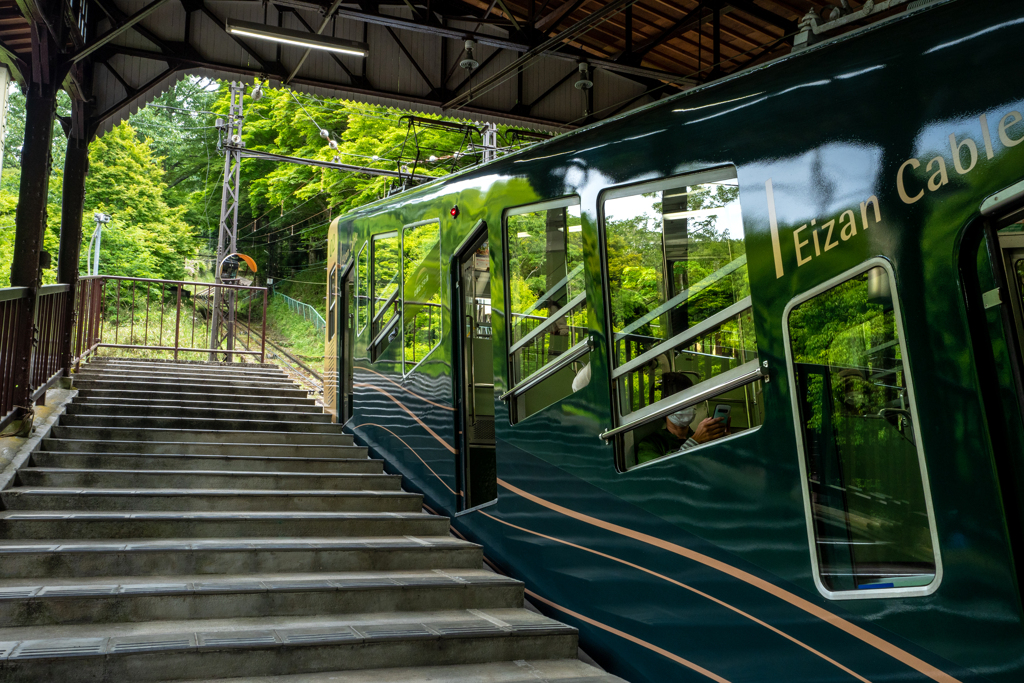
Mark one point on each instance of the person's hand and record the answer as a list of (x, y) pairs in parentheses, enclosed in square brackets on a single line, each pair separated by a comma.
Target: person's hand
[(709, 429)]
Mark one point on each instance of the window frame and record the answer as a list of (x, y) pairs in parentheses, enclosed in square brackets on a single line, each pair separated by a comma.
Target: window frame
[(913, 591), (401, 290), (385, 328), (369, 281), (573, 353), (740, 376)]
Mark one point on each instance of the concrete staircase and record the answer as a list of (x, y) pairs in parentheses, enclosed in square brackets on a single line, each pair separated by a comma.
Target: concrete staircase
[(208, 522)]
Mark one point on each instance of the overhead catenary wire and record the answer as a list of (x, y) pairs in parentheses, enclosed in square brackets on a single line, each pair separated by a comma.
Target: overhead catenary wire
[(278, 229)]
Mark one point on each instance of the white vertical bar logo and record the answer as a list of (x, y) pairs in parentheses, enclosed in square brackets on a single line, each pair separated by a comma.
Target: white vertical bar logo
[(774, 224)]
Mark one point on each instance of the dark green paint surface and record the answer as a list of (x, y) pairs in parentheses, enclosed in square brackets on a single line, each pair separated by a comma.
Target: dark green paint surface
[(830, 128)]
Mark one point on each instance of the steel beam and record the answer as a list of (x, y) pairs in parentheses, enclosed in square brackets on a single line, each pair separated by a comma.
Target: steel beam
[(557, 49), (302, 60), (575, 30), (687, 22), (415, 64), (337, 60), (118, 30)]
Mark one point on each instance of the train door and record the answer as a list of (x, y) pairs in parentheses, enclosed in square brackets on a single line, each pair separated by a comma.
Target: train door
[(993, 275), (1011, 251), (475, 386), (344, 340)]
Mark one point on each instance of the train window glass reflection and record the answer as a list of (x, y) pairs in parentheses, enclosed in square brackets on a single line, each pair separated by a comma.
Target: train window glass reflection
[(547, 307), (679, 302), (362, 289), (421, 295), (332, 301), (386, 261), (868, 502)]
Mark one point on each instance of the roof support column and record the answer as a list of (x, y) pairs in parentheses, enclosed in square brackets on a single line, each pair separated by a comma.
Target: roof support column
[(30, 216), (76, 166)]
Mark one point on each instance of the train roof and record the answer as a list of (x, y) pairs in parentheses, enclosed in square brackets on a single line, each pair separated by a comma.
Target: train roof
[(911, 14)]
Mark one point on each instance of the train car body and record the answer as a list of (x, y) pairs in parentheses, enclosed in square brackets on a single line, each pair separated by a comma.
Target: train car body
[(824, 251)]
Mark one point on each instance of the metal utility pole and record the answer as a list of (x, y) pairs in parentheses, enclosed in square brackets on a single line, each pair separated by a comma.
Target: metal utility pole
[(231, 143), (92, 258)]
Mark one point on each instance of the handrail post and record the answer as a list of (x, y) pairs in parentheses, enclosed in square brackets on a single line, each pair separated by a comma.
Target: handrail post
[(263, 336), (177, 323)]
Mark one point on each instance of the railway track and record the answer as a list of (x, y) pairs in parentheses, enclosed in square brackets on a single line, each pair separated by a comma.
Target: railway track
[(292, 366)]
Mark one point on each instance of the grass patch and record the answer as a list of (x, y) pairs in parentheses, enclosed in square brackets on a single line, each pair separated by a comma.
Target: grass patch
[(294, 334), (308, 286)]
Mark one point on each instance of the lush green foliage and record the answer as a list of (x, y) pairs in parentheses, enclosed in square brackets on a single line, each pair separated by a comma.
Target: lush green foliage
[(146, 237), (159, 175)]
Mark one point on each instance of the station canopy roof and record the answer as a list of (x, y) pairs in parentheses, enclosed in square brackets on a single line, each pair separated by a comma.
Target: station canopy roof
[(528, 51)]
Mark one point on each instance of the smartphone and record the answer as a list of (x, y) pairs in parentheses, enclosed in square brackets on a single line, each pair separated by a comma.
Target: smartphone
[(722, 410)]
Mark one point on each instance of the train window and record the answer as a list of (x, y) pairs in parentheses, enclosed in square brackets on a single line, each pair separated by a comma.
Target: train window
[(548, 313), (421, 296), (332, 301), (362, 289), (870, 519), (679, 304), (386, 263)]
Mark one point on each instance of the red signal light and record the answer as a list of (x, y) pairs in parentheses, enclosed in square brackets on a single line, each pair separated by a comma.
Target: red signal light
[(454, 212)]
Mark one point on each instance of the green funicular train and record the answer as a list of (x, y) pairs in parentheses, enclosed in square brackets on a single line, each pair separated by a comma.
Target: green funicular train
[(733, 382)]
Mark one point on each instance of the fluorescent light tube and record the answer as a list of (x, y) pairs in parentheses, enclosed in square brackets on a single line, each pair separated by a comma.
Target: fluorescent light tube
[(297, 38)]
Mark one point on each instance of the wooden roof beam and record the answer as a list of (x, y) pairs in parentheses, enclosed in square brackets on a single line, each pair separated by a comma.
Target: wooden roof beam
[(552, 19), (688, 22), (766, 16)]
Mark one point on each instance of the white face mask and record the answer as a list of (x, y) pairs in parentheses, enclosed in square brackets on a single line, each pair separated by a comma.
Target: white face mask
[(683, 418)]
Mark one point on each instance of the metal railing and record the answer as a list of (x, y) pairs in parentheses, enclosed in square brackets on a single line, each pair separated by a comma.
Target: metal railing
[(50, 322), (49, 326), (11, 309), (168, 317), (307, 312)]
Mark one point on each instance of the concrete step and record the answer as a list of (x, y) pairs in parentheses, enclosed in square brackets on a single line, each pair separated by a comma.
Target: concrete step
[(207, 479), (161, 364), (253, 412), (521, 671), (219, 648), (266, 384), (200, 435), (230, 463), (26, 524), (198, 386), (209, 500), (199, 423), (304, 404), (201, 448), (243, 555), (146, 599), (127, 372)]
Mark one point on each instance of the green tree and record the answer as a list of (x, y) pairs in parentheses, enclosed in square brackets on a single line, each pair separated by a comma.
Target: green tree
[(146, 236)]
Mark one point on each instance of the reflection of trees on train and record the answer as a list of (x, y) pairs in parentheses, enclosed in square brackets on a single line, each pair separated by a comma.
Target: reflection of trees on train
[(386, 269), (676, 258), (545, 281), (863, 468), (422, 291)]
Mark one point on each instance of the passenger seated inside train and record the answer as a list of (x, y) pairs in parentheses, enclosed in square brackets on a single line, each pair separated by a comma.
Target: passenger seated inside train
[(677, 434)]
